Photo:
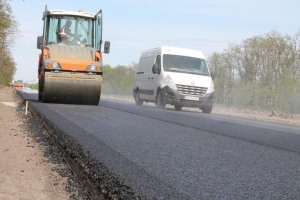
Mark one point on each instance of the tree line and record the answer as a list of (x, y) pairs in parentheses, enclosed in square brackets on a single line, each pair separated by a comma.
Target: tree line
[(8, 33), (119, 80), (262, 72)]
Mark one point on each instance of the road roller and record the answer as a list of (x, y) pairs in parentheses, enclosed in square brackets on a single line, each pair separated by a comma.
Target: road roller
[(70, 66)]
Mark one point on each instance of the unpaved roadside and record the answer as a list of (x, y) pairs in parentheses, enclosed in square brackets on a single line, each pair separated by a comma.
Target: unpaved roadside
[(30, 168)]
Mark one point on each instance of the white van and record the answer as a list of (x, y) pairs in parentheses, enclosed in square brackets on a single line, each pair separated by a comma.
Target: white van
[(176, 76)]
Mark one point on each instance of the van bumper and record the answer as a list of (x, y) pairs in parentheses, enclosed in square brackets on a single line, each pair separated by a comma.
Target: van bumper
[(173, 97)]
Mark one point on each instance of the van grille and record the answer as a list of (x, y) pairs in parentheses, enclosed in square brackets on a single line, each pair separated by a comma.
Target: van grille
[(191, 90), (190, 101)]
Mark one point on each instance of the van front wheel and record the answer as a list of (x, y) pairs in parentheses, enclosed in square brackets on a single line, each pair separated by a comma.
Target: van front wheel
[(178, 107), (159, 100), (138, 100), (207, 110)]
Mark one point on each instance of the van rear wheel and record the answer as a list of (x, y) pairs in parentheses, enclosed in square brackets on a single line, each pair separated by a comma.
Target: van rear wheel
[(178, 107), (138, 100), (159, 100)]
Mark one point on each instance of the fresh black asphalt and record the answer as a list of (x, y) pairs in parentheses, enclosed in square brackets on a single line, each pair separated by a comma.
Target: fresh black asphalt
[(166, 154)]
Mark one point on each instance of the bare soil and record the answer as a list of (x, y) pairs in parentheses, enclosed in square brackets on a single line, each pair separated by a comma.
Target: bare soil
[(31, 169)]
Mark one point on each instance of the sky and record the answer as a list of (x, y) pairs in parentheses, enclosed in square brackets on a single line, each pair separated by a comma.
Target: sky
[(132, 26)]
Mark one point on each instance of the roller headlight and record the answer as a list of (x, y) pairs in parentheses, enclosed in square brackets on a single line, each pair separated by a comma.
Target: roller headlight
[(169, 82), (94, 67), (52, 64), (55, 65)]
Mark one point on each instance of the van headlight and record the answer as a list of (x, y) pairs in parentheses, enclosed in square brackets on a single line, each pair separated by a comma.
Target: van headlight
[(211, 88), (169, 82)]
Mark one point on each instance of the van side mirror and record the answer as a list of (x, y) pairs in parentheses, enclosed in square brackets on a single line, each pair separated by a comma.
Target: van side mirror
[(40, 42), (212, 74), (156, 69), (106, 47)]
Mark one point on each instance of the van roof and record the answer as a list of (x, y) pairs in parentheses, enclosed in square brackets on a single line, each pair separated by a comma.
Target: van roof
[(173, 51)]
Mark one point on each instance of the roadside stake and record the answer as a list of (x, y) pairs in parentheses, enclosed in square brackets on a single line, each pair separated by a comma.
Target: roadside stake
[(26, 107)]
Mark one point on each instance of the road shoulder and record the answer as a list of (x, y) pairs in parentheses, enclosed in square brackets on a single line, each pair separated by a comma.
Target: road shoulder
[(30, 167)]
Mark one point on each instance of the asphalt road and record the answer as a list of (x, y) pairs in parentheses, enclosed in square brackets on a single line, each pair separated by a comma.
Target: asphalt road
[(168, 154)]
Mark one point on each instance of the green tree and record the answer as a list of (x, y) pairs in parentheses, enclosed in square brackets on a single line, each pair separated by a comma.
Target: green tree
[(119, 80), (261, 72), (8, 33)]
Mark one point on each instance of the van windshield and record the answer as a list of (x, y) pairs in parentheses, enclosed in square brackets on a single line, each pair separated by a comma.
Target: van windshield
[(184, 64)]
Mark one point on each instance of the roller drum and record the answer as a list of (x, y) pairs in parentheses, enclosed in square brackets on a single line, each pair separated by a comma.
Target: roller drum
[(72, 88)]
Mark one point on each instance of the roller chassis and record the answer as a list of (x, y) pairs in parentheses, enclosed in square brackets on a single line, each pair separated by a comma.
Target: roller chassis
[(70, 72)]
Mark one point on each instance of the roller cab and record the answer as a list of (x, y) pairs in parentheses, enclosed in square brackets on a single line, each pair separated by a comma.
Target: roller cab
[(70, 67)]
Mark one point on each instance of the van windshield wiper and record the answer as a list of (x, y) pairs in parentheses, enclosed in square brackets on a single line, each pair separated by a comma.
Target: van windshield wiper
[(197, 73), (175, 70)]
